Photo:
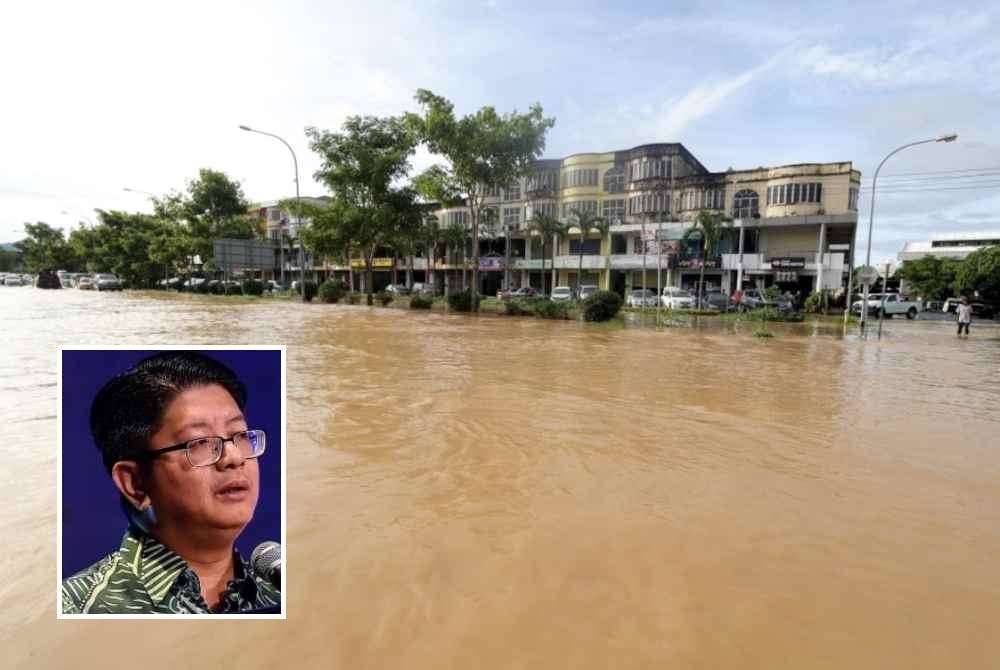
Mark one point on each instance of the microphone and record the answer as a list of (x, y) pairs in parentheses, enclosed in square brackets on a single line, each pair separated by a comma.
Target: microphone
[(266, 562)]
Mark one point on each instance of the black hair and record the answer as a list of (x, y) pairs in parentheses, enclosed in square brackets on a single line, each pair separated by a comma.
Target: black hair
[(129, 408)]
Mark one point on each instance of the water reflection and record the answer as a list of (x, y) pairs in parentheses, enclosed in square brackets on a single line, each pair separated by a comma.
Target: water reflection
[(496, 492)]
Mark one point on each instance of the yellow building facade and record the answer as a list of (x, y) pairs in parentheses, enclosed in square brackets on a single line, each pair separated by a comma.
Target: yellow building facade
[(792, 225)]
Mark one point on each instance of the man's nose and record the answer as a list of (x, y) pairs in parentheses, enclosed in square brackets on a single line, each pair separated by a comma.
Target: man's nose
[(231, 456)]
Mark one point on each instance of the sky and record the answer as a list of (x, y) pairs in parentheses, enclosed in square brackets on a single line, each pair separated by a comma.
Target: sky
[(103, 95)]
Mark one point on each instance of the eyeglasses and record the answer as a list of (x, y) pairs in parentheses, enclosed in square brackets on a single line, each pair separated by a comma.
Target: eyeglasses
[(205, 451)]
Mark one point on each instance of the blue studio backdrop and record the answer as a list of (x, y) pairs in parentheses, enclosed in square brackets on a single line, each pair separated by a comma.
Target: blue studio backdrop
[(92, 520)]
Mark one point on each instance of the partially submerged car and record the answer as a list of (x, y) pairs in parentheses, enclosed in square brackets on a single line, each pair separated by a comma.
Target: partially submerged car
[(641, 298)]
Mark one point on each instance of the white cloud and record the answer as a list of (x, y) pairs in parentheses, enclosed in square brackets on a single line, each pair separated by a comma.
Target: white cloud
[(700, 101), (959, 47)]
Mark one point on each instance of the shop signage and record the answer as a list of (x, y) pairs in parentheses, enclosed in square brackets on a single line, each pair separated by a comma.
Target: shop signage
[(667, 247), (786, 276), (788, 263), (696, 263), (377, 263), (491, 263)]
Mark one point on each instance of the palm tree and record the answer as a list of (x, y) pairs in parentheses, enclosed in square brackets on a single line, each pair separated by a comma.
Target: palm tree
[(546, 226), (585, 221), (707, 227)]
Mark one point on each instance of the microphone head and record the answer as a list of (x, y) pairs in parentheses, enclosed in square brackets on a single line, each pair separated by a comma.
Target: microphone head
[(266, 559)]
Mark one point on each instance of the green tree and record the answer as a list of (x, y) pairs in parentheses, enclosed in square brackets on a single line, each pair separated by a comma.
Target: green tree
[(140, 248), (408, 228), (932, 278), (212, 207), (547, 227), (10, 260), (331, 232), (707, 227), (436, 187), (360, 166), (585, 222), (45, 248), (979, 274), (486, 151)]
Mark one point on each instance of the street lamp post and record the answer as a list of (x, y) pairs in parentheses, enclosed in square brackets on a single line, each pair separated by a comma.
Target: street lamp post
[(950, 137), (298, 202)]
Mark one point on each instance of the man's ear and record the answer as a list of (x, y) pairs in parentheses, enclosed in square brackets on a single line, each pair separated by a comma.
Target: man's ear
[(128, 477)]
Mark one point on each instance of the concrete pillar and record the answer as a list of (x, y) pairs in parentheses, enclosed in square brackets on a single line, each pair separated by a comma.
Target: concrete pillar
[(555, 252), (739, 262), (819, 257)]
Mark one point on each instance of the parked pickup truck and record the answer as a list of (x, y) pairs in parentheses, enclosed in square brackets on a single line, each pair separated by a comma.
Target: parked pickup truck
[(892, 303)]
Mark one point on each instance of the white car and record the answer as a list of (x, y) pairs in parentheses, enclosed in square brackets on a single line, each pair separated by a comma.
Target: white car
[(587, 290), (641, 298), (561, 293), (13, 280), (676, 298), (891, 303)]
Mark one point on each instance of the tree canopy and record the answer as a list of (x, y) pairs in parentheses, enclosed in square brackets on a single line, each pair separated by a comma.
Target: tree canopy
[(361, 166), (485, 151), (45, 248), (211, 207), (979, 274), (932, 278)]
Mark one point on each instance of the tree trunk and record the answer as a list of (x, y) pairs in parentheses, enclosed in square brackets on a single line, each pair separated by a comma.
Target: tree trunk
[(542, 273), (607, 261), (369, 288), (465, 249), (430, 267), (350, 270), (409, 274), (701, 278), (555, 246), (475, 262)]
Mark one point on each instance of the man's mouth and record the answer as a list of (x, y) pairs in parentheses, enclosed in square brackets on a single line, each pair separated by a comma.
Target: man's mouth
[(235, 490)]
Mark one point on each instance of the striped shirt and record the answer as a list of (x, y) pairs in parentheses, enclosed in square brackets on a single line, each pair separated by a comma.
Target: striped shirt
[(145, 577)]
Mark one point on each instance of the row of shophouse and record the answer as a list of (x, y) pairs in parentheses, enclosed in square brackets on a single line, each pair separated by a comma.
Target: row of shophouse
[(792, 226)]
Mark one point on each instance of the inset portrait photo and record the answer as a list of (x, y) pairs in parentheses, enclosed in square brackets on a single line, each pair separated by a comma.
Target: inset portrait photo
[(171, 482)]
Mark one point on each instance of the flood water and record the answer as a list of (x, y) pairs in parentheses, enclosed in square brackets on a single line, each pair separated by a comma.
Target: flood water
[(516, 493)]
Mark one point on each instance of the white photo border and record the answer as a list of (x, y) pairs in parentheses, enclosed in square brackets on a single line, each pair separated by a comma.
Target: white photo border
[(284, 474)]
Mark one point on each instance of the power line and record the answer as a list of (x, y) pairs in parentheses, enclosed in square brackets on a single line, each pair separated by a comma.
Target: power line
[(918, 189), (912, 174), (966, 177)]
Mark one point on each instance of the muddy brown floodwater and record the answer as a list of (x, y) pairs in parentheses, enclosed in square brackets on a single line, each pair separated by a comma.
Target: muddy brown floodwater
[(515, 493)]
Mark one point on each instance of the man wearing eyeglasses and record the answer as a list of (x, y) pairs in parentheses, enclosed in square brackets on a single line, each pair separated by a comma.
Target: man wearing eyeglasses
[(177, 445)]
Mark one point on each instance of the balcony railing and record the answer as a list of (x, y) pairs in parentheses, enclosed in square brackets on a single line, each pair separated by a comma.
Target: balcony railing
[(590, 262), (634, 261)]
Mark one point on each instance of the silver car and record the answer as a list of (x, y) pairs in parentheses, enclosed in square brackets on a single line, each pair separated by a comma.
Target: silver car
[(641, 298), (107, 282)]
